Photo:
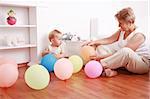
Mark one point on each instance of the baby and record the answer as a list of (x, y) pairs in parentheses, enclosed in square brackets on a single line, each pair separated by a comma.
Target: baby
[(57, 46)]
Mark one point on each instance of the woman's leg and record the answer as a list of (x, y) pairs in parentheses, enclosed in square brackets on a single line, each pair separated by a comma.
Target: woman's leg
[(102, 51), (109, 72), (127, 58)]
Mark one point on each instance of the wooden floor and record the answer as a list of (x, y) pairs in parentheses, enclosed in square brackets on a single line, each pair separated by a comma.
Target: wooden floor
[(123, 86)]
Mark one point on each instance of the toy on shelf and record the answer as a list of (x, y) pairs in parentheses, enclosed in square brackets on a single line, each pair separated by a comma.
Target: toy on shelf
[(70, 37), (11, 20)]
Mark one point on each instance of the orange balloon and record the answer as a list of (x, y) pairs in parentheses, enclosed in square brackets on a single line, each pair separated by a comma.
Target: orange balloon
[(86, 52)]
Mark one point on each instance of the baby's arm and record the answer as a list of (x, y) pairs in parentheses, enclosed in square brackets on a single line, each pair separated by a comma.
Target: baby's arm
[(46, 51), (61, 55), (58, 56)]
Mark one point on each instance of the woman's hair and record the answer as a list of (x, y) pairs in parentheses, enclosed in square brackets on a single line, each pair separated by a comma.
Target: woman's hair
[(53, 33), (126, 15)]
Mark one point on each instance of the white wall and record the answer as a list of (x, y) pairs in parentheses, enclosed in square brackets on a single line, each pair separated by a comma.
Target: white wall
[(75, 17), (108, 24)]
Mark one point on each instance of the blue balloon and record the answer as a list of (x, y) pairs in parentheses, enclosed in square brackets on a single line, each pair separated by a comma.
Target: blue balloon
[(48, 62)]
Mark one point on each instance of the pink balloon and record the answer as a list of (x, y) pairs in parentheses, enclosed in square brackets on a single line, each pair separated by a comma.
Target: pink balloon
[(8, 75), (63, 69), (93, 69)]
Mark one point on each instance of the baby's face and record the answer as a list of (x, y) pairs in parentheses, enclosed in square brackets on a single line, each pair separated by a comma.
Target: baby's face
[(57, 40)]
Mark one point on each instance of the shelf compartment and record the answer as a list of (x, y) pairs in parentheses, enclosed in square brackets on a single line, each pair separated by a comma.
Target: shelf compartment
[(18, 47)]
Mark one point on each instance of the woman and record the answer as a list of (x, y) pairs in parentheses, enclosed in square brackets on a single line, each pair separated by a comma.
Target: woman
[(126, 47)]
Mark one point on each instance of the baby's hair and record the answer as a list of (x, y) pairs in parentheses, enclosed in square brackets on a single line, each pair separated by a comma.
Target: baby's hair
[(53, 33), (126, 14)]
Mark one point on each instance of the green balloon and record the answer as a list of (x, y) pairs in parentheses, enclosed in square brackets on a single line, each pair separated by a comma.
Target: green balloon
[(77, 63), (37, 77)]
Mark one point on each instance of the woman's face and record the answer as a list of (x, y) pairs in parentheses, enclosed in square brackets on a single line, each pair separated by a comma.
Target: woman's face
[(125, 26)]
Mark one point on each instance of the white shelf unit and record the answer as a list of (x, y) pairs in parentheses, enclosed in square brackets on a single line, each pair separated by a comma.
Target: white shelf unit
[(18, 47), (25, 28)]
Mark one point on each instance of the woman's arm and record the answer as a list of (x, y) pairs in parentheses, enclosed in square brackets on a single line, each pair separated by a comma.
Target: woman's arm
[(135, 41), (107, 40)]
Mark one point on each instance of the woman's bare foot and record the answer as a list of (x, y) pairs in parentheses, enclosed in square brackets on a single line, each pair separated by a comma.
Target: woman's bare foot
[(110, 73)]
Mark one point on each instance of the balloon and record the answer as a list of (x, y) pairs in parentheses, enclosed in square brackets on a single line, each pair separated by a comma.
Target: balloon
[(86, 52), (8, 75), (37, 77), (48, 62), (77, 63), (63, 69), (93, 69)]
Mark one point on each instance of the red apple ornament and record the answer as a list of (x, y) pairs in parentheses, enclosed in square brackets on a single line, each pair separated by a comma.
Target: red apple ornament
[(11, 20)]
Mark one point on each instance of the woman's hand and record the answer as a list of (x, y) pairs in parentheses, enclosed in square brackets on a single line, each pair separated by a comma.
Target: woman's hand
[(92, 43), (94, 57), (85, 43), (98, 58)]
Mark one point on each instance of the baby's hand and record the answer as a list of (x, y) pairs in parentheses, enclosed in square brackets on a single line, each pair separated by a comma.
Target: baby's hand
[(65, 55), (46, 51), (58, 56)]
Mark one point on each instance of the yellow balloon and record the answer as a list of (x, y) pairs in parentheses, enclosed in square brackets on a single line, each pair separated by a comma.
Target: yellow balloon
[(86, 52), (37, 77), (77, 63)]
